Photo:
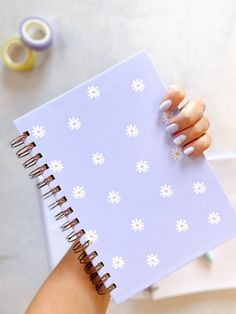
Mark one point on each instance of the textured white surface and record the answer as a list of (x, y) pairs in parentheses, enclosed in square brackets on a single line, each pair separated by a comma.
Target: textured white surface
[(193, 43)]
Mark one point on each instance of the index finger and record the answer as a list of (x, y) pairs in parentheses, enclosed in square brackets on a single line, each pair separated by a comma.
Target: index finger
[(174, 96)]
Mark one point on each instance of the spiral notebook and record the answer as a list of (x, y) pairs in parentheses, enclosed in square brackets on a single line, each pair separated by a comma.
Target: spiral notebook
[(219, 275), (134, 207)]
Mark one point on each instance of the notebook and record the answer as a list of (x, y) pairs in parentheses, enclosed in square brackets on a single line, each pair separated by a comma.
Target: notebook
[(137, 207), (197, 276)]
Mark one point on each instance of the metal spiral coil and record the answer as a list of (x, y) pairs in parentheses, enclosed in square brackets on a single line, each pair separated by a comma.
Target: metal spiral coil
[(19, 140), (45, 181), (51, 192), (90, 268), (58, 202), (38, 171), (63, 213), (69, 224), (85, 259), (79, 247), (24, 151), (73, 237), (32, 161)]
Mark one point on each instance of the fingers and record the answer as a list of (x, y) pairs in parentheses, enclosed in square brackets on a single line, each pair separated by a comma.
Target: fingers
[(191, 112), (198, 146), (189, 126), (193, 132), (172, 99)]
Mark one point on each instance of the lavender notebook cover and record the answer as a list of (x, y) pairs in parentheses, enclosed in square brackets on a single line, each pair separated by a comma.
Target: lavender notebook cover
[(146, 209)]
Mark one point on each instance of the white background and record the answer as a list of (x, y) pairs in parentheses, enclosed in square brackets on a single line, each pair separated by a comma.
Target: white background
[(193, 43)]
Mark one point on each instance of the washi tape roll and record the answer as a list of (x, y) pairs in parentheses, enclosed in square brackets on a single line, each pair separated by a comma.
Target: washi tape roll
[(17, 56), (36, 33)]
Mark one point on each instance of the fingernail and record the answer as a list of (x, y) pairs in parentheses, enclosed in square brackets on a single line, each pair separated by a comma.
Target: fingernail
[(180, 139), (172, 128), (165, 105), (189, 150)]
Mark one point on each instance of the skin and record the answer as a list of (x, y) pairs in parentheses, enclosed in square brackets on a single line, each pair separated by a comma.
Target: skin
[(68, 289), (190, 119)]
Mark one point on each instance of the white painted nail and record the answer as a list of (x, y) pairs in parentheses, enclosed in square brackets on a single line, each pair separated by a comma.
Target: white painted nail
[(172, 128), (180, 139), (189, 150), (165, 105)]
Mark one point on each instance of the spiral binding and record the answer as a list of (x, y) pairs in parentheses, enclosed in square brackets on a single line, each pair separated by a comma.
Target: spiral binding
[(73, 237)]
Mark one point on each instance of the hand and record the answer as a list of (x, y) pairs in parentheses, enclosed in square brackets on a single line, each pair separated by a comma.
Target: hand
[(189, 126)]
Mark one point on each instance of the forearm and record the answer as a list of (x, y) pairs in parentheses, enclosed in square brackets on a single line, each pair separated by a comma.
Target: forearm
[(68, 290)]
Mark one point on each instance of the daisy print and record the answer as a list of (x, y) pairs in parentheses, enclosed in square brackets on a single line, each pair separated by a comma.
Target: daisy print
[(137, 225), (138, 85), (56, 165), (199, 187), (132, 130), (93, 91), (152, 260), (78, 192), (91, 235), (38, 131), (166, 191), (74, 123), (117, 262), (98, 159), (165, 117), (176, 153), (114, 197), (181, 225), (214, 218), (142, 166)]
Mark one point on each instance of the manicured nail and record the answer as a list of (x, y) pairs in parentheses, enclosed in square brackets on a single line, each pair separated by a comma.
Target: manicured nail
[(189, 150), (180, 139), (172, 128), (165, 105)]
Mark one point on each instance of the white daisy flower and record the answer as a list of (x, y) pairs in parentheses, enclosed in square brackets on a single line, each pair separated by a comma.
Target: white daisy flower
[(98, 159), (79, 192), (166, 191), (181, 225), (199, 187), (91, 235), (117, 262), (114, 197), (132, 130), (152, 260), (137, 225), (56, 165), (214, 218), (93, 91), (38, 131), (165, 117), (176, 153), (138, 85), (74, 123), (142, 166)]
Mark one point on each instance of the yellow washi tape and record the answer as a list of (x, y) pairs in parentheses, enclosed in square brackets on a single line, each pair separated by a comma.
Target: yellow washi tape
[(16, 56)]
